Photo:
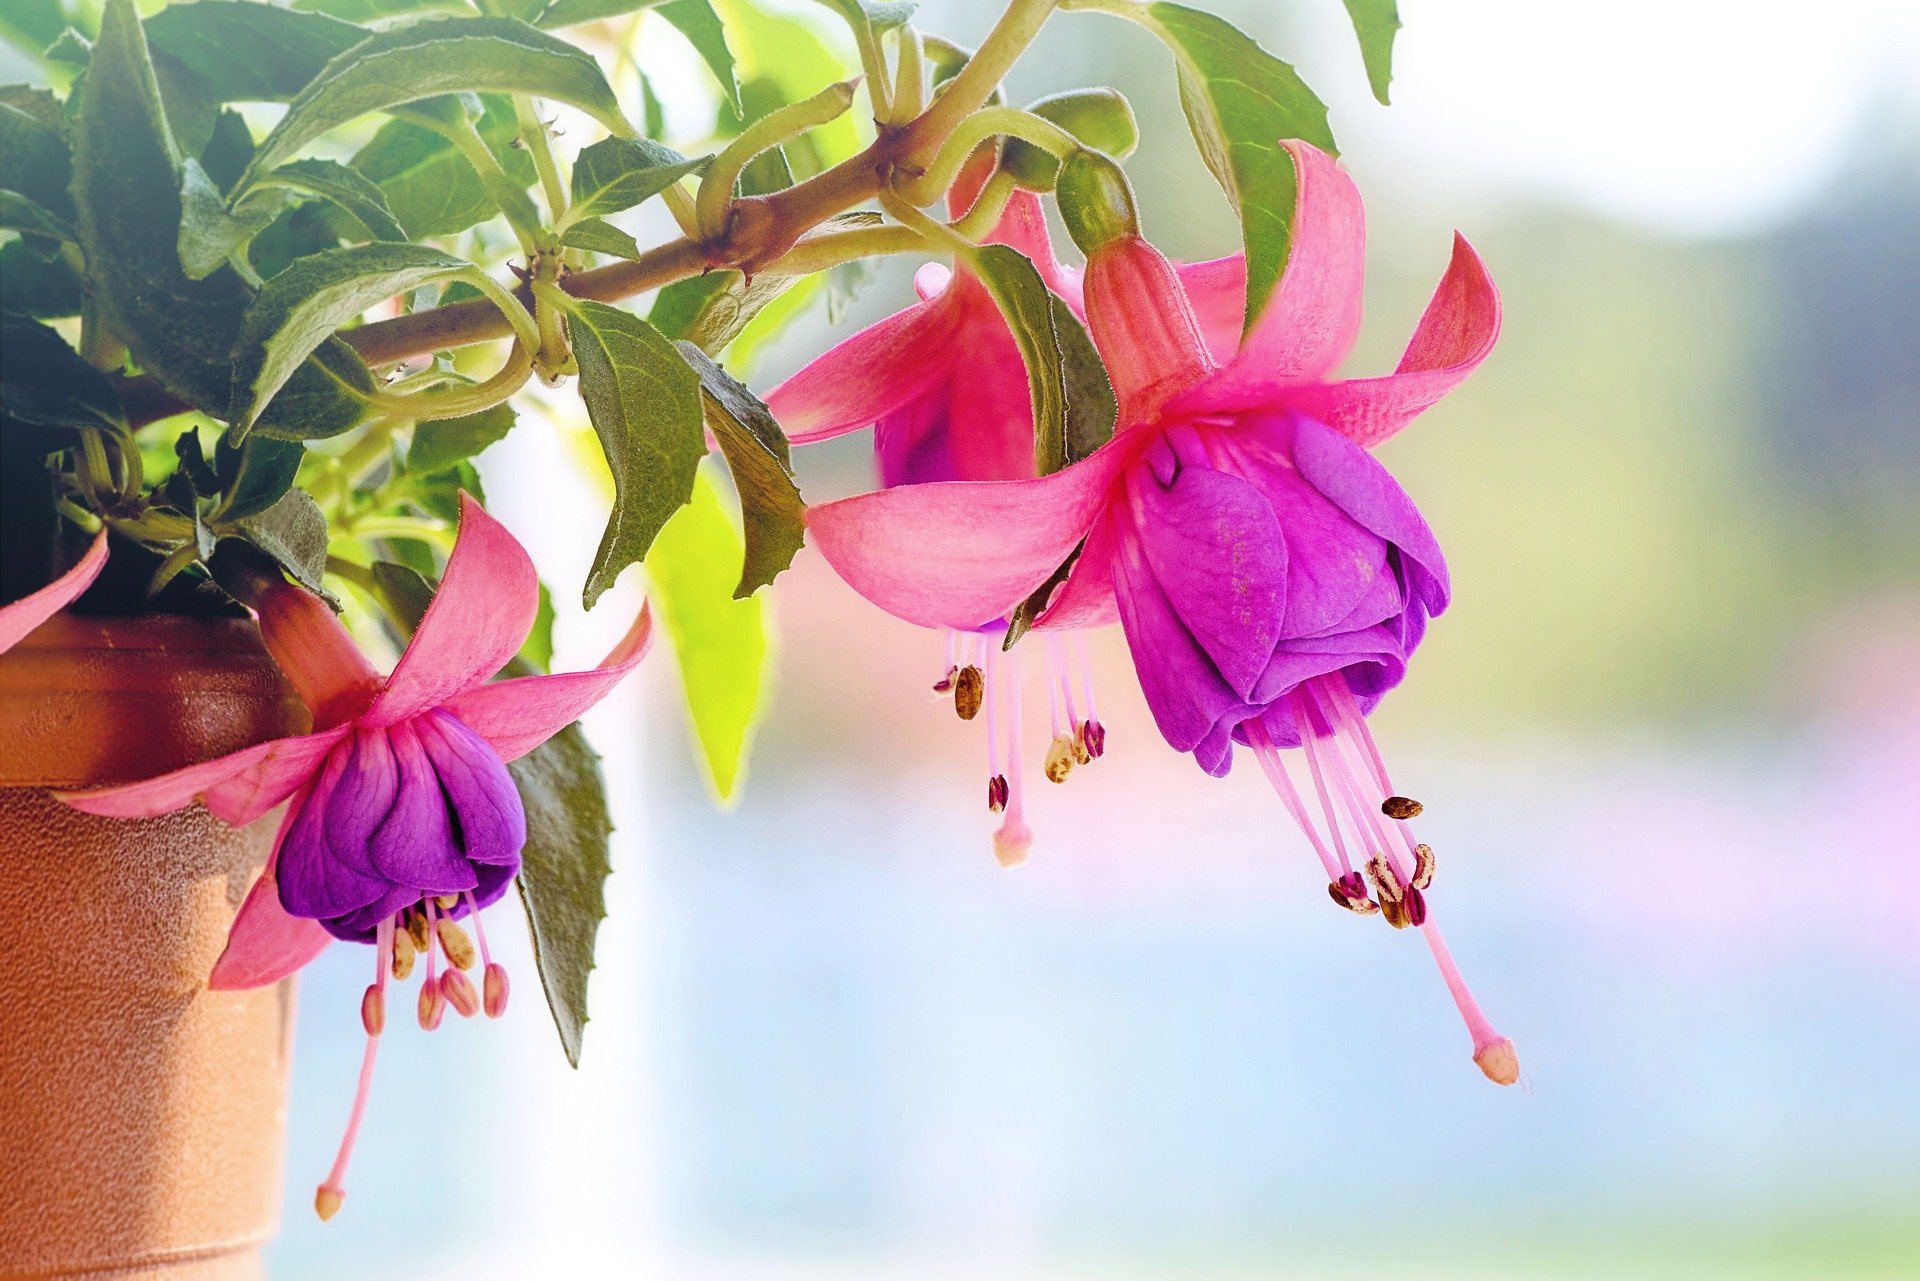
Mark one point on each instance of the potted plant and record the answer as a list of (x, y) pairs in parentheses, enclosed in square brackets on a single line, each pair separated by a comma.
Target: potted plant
[(276, 276)]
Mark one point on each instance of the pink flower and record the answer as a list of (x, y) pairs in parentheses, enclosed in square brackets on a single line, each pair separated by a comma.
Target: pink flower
[(401, 817), (1271, 578), (27, 613), (944, 387)]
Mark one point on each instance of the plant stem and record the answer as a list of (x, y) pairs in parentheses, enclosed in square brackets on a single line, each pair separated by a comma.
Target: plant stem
[(534, 133), (988, 122), (792, 212)]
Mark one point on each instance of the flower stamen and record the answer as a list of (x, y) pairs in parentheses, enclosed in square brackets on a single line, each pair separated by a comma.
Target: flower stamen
[(1014, 840), (332, 1193)]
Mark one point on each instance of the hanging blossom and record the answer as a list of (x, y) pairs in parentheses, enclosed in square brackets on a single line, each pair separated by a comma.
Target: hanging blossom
[(401, 817), (1271, 578), (24, 615), (945, 389)]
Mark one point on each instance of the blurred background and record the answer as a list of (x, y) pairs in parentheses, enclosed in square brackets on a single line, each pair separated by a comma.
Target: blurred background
[(1668, 737)]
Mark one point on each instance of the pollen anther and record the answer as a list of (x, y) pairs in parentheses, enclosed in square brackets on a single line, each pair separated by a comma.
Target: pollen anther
[(1401, 807), (456, 944), (1423, 866), (969, 691), (1061, 758)]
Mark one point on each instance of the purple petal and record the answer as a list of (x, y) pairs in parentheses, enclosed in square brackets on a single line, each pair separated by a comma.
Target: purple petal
[(1213, 542), (314, 882), (363, 799), (417, 847), (1184, 690), (489, 820), (1355, 481)]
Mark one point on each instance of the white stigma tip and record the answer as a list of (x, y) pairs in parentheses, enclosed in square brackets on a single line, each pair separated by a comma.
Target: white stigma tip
[(1012, 848), (1499, 1061)]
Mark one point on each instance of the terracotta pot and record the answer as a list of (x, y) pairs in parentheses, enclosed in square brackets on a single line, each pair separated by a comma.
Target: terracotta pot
[(142, 1117)]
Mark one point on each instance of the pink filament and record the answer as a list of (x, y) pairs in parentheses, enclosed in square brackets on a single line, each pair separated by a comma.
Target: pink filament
[(337, 1177), (1058, 696), (479, 930), (993, 711), (1310, 739), (1269, 758), (1084, 654)]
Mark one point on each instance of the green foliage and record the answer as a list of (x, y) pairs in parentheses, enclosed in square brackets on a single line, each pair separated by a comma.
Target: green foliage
[(563, 871), (1376, 22), (45, 385), (619, 173), (440, 443), (437, 56), (644, 402), (1073, 403), (720, 639), (756, 451), (429, 186), (601, 237), (298, 309), (697, 21), (244, 51), (1240, 101), (126, 186)]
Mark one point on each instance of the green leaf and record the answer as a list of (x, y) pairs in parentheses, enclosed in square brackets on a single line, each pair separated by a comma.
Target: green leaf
[(602, 237), (719, 639), (294, 532), (574, 13), (1240, 102), (644, 402), (348, 189), (619, 173), (250, 52), (300, 308), (697, 21), (1375, 22), (1073, 403), (209, 233), (254, 474), (1020, 621), (442, 442), (867, 17), (710, 310), (31, 25), (34, 160), (46, 289), (48, 385), (564, 864), (18, 213), (372, 10), (432, 57), (563, 871), (537, 649), (771, 509), (127, 183), (431, 188)]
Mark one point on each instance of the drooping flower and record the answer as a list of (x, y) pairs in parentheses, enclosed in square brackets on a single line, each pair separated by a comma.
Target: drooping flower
[(1271, 578), (945, 389), (401, 817), (22, 616)]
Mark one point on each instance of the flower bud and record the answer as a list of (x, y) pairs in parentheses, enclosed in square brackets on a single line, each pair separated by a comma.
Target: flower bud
[(1096, 201), (1100, 118)]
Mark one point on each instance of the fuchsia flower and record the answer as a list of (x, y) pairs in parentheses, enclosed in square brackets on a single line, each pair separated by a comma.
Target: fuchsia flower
[(944, 387), (401, 816), (22, 616), (1271, 577)]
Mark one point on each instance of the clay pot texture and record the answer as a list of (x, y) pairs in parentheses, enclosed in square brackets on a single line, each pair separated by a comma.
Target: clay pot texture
[(142, 1117)]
